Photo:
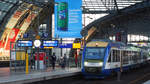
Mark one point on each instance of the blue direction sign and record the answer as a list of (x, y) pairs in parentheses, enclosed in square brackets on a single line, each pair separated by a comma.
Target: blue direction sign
[(50, 43), (23, 43), (69, 45)]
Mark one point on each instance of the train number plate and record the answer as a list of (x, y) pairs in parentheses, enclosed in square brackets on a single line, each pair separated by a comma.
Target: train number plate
[(92, 64)]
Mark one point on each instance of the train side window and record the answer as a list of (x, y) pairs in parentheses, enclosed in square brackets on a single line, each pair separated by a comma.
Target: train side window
[(109, 59), (139, 55), (125, 57), (116, 55), (130, 57), (111, 55), (123, 54), (134, 56)]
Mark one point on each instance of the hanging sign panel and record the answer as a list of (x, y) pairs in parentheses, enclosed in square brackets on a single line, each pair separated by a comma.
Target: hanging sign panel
[(68, 18), (22, 43), (76, 45), (50, 43), (67, 45)]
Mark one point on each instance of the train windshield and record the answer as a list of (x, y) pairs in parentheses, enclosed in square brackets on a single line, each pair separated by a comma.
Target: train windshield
[(95, 53)]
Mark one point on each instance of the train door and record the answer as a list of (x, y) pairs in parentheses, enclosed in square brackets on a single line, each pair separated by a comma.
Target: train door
[(125, 57), (114, 58)]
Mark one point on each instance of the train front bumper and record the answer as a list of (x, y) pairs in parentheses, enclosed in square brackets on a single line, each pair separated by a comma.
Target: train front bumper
[(94, 72)]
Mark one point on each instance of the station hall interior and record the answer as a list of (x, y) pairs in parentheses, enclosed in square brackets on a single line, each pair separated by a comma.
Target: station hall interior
[(39, 29)]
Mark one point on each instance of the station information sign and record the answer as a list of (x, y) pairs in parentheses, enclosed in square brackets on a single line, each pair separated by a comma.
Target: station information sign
[(69, 45), (23, 43), (76, 45), (50, 43)]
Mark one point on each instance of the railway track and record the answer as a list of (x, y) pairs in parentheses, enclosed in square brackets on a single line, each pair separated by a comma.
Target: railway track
[(136, 76)]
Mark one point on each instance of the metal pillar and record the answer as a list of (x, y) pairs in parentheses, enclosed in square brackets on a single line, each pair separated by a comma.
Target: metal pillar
[(49, 29), (61, 48), (38, 59), (116, 5), (10, 62)]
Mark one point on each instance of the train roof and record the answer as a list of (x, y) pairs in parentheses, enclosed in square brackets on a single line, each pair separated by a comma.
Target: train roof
[(103, 40), (97, 44), (133, 48), (104, 43)]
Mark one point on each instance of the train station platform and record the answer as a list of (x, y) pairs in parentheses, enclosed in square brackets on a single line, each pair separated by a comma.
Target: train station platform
[(147, 82), (7, 77)]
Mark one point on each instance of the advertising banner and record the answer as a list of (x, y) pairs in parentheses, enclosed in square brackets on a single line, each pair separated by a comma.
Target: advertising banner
[(10, 36), (68, 18)]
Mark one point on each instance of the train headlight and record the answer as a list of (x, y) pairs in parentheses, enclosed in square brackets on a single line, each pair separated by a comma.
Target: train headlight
[(100, 63), (85, 63), (91, 64)]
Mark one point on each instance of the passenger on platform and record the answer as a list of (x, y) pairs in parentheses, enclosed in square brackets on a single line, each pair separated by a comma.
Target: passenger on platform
[(53, 60), (63, 61), (76, 58), (33, 62)]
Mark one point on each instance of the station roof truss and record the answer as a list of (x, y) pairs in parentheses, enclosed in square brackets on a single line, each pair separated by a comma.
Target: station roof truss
[(133, 19), (106, 6), (7, 8), (88, 6)]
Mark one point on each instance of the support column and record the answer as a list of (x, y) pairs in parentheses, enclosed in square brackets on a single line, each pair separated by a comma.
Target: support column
[(49, 31), (122, 37), (118, 36), (49, 25)]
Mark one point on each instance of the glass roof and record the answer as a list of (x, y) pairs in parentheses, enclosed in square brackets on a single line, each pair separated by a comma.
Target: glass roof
[(88, 6), (5, 6), (106, 6), (99, 6), (11, 1)]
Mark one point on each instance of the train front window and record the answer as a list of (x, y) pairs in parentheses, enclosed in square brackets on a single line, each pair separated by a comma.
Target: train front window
[(94, 53)]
